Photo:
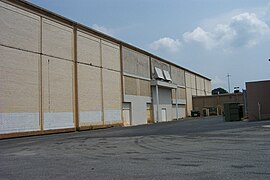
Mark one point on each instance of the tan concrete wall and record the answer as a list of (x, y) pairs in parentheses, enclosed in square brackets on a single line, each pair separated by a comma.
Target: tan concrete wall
[(19, 28), (57, 86), (137, 87), (217, 101), (189, 101), (194, 92), (112, 96), (145, 89), (196, 86), (200, 93), (110, 55), (193, 81), (130, 86), (88, 49), (208, 88), (135, 63), (19, 91), (159, 64), (181, 111), (57, 39), (89, 95), (200, 83), (181, 93), (188, 79), (178, 76)]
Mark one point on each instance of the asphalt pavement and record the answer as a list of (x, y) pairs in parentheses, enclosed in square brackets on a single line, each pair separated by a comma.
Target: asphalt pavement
[(202, 148)]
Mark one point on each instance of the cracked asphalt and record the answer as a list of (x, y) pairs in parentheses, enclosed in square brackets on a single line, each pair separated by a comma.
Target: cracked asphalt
[(204, 148)]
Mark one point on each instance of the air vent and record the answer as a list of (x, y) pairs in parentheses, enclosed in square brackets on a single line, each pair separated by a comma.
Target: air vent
[(159, 74), (167, 75)]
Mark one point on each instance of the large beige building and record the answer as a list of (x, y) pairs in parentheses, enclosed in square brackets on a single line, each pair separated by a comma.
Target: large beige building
[(57, 75)]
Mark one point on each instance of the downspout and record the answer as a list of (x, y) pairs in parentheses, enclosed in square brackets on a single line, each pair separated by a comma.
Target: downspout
[(157, 96)]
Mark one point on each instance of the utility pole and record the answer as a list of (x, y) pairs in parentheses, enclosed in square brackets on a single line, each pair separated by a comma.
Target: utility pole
[(228, 76)]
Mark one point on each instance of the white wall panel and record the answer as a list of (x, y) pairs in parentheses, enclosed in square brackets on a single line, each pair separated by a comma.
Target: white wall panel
[(90, 118), (58, 120), (57, 39), (19, 122), (19, 28), (181, 111), (112, 116), (138, 108)]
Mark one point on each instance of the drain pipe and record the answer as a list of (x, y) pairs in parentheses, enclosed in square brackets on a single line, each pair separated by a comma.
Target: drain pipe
[(157, 96)]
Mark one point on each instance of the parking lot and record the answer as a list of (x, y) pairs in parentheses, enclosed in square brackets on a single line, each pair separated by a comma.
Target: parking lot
[(204, 148)]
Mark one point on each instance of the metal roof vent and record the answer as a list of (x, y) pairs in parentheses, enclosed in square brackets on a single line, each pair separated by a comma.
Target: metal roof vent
[(167, 75), (159, 74)]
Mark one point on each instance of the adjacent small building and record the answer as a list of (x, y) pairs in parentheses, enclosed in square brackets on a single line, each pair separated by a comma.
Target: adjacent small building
[(58, 75), (258, 100), (214, 104)]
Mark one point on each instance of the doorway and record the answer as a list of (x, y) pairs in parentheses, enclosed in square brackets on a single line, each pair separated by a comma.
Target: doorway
[(163, 115)]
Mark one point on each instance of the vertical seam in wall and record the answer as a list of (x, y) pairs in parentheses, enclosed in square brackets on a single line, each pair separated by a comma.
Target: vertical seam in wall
[(138, 87), (75, 80), (41, 119), (195, 88), (186, 93), (101, 84), (122, 84), (204, 87), (151, 92), (49, 92)]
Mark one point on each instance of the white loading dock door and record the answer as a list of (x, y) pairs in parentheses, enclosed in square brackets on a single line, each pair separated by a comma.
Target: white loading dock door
[(163, 115)]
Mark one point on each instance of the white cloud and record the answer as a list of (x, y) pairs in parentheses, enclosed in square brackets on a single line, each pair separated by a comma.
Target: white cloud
[(102, 29), (200, 36), (243, 30), (167, 44), (249, 30)]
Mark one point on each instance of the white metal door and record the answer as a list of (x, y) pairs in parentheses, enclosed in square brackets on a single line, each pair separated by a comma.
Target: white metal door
[(127, 114), (126, 117), (163, 115)]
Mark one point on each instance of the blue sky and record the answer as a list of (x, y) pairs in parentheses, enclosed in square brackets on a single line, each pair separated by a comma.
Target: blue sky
[(210, 37)]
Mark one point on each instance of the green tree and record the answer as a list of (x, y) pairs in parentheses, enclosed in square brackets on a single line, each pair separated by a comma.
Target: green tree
[(219, 91)]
